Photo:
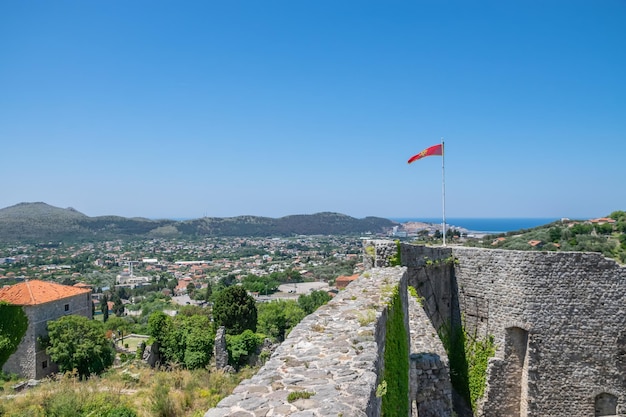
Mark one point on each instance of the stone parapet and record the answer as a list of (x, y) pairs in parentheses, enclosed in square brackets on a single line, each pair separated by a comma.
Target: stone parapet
[(335, 354)]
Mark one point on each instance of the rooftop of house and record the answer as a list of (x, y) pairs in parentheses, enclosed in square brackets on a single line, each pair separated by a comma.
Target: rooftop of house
[(33, 292)]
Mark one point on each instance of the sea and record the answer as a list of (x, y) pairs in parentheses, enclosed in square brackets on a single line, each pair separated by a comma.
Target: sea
[(484, 225)]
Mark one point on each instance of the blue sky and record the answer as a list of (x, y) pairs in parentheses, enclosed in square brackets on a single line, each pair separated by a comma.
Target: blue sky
[(223, 108)]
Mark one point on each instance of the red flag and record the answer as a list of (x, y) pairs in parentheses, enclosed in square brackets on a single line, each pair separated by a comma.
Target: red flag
[(433, 150)]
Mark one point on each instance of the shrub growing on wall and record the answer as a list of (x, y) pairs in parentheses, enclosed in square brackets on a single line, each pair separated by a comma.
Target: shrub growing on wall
[(468, 356), (478, 352), (395, 400), (13, 325)]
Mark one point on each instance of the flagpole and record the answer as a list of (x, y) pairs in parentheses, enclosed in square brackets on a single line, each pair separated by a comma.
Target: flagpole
[(443, 190)]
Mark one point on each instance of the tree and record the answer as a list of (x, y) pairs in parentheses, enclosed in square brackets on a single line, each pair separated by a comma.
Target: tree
[(310, 303), (241, 346), (198, 340), (104, 307), (120, 326), (555, 234), (277, 318), (208, 293), (13, 326), (158, 326), (184, 340), (235, 310), (172, 283), (118, 308), (75, 342)]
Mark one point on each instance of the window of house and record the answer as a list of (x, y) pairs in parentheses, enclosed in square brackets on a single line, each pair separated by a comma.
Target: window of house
[(44, 364), (67, 307)]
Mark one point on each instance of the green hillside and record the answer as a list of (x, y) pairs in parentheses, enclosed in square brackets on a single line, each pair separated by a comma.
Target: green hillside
[(40, 222), (605, 235)]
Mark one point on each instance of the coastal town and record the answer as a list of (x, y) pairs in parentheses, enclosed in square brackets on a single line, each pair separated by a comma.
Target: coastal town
[(185, 267)]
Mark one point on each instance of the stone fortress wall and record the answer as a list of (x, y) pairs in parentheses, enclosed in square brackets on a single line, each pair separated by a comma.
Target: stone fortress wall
[(558, 320), (337, 353)]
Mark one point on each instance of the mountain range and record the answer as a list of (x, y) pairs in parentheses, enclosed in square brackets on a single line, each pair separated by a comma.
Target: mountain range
[(39, 222)]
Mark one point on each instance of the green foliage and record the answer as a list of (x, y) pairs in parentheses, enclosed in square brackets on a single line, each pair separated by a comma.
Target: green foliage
[(242, 346), (286, 276), (70, 401), (478, 352), (183, 340), (453, 340), (581, 229), (296, 395), (159, 324), (329, 272), (262, 285), (579, 236), (277, 318), (396, 372), (104, 307), (162, 404), (396, 259), (119, 324), (194, 310), (381, 389), (469, 357), (198, 340), (413, 293), (235, 310), (311, 302), (77, 343), (13, 326)]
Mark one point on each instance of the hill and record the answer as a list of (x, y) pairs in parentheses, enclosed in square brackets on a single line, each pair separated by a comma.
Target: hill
[(40, 222), (606, 235)]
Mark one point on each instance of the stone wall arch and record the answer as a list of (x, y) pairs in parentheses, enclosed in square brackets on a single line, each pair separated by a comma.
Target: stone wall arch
[(605, 404), (516, 370)]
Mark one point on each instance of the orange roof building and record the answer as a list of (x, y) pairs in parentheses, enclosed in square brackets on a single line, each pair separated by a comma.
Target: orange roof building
[(41, 301), (343, 280), (33, 292)]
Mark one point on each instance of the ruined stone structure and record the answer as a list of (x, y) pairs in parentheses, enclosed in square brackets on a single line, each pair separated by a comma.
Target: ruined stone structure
[(557, 319)]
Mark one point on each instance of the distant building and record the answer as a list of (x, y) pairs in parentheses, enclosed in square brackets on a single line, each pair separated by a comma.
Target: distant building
[(42, 302), (128, 280), (602, 220), (343, 280)]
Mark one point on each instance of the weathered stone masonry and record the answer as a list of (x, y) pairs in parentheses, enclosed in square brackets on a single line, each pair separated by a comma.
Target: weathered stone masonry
[(337, 353), (557, 319)]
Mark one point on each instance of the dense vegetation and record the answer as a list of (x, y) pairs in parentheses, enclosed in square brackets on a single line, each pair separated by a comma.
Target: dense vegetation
[(606, 237), (13, 326), (78, 344), (184, 383), (235, 310), (394, 388), (40, 222), (131, 390)]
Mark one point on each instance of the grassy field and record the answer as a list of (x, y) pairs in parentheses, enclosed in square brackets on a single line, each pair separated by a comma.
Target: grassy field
[(134, 387), (132, 342)]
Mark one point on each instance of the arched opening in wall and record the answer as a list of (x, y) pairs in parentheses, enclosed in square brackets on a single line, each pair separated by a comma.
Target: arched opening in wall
[(516, 371), (606, 404)]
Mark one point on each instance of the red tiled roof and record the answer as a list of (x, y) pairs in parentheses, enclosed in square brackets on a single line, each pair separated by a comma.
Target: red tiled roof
[(343, 280), (35, 292)]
